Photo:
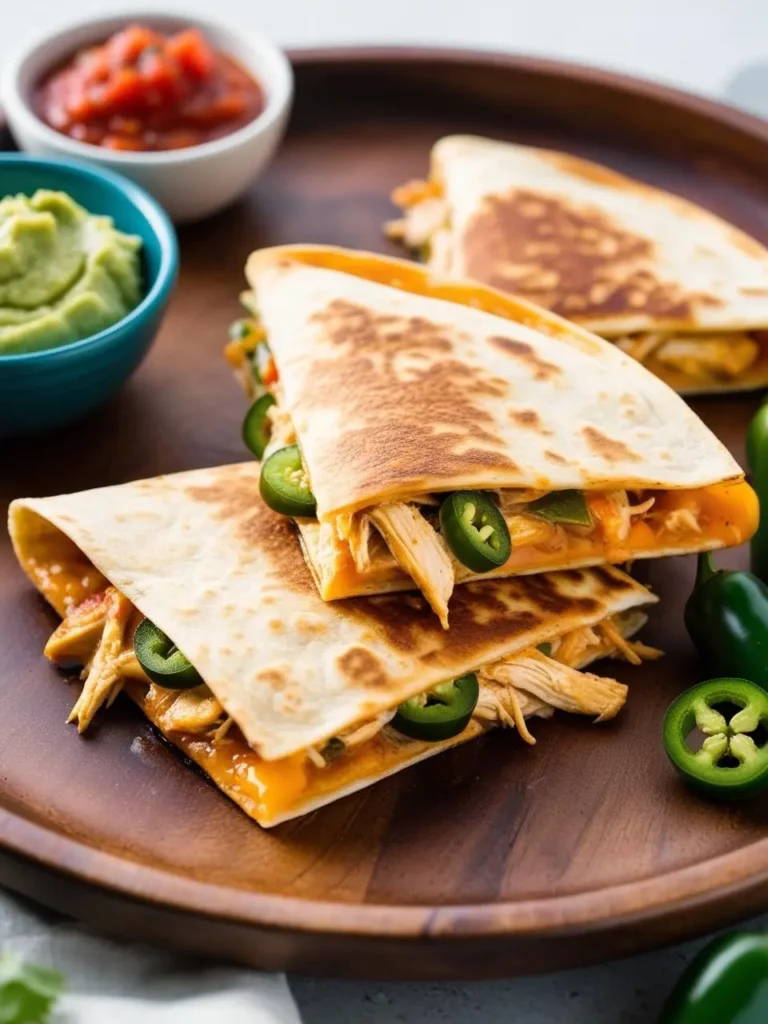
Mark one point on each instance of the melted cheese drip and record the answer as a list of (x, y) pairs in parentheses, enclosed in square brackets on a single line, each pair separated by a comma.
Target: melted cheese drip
[(724, 515)]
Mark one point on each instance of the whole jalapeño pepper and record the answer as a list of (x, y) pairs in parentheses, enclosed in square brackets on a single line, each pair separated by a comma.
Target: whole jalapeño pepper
[(757, 462), (727, 619), (727, 983)]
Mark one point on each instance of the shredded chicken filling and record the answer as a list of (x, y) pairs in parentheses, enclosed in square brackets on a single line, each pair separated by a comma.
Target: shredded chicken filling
[(707, 357), (99, 635), (414, 540)]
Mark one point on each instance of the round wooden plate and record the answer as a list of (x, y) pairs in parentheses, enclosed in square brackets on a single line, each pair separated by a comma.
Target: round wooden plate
[(489, 860)]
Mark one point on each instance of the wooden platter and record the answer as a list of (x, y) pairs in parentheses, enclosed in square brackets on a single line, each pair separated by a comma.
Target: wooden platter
[(489, 860)]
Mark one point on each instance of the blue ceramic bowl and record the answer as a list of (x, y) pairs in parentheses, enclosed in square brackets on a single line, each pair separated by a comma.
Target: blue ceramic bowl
[(45, 389)]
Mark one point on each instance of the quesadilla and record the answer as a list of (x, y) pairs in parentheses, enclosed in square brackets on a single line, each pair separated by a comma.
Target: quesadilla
[(425, 433), (288, 702), (676, 287)]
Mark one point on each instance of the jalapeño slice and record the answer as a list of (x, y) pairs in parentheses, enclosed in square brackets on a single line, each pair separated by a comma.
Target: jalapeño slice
[(475, 530), (441, 713), (161, 659), (284, 485), (569, 507), (257, 426), (733, 759)]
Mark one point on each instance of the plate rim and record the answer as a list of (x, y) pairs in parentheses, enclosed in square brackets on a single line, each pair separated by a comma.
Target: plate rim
[(627, 904)]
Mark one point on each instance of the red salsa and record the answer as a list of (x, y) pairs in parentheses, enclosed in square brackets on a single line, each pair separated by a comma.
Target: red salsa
[(144, 91)]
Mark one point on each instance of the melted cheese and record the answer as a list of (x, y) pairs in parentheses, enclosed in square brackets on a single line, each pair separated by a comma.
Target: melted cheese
[(272, 790), (724, 515)]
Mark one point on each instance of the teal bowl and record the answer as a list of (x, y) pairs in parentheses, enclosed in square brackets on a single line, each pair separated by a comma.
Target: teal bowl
[(40, 391)]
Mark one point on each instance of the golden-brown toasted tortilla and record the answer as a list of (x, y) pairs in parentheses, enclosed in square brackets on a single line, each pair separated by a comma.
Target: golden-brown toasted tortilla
[(684, 291), (401, 386), (211, 566)]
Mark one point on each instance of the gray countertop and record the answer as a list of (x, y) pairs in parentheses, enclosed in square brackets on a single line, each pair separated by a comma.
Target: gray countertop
[(719, 47)]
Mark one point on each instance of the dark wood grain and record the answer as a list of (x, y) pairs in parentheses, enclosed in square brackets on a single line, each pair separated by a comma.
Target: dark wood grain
[(489, 860)]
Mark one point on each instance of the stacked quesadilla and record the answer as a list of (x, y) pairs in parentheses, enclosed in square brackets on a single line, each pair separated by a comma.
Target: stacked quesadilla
[(285, 701), (424, 432), (676, 287)]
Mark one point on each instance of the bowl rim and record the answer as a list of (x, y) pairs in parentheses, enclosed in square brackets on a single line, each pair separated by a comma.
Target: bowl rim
[(278, 79), (157, 219)]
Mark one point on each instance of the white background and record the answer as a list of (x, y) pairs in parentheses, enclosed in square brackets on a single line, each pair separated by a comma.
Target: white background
[(712, 46)]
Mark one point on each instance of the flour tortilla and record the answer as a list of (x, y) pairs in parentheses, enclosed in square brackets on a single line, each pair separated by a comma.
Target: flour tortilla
[(203, 558), (397, 387), (610, 253)]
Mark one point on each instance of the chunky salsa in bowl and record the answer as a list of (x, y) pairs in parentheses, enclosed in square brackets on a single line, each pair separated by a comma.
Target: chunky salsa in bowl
[(144, 90)]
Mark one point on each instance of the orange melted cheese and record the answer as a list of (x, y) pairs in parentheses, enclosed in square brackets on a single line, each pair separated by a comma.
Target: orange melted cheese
[(726, 514), (271, 790)]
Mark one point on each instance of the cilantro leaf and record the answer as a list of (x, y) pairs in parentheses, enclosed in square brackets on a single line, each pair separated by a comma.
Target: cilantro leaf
[(27, 992)]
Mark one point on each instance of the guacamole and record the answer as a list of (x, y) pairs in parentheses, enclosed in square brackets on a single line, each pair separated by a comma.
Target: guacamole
[(65, 274)]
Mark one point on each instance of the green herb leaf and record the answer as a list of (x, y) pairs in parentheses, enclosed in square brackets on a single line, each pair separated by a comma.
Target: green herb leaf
[(27, 991)]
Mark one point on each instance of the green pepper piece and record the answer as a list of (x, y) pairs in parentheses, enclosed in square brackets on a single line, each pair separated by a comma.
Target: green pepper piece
[(284, 485), (440, 714), (726, 740), (545, 648), (568, 507), (257, 425), (475, 530), (726, 983), (757, 461), (161, 659), (757, 437), (239, 329), (727, 619)]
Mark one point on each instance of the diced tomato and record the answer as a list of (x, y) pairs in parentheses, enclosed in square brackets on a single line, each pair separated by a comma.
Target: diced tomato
[(122, 142), (161, 76), (180, 138), (143, 90), (125, 47), (269, 372), (192, 52), (223, 109), (124, 92)]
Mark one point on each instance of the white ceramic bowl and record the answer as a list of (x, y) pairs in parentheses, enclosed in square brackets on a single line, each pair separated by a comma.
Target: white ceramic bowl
[(190, 183)]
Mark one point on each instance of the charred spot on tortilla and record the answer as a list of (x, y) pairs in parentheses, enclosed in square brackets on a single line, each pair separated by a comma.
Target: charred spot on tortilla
[(610, 581), (430, 410), (543, 592), (554, 457), (608, 448), (259, 528), (275, 678), (310, 627), (573, 260), (541, 369), (528, 418), (364, 667), (347, 323)]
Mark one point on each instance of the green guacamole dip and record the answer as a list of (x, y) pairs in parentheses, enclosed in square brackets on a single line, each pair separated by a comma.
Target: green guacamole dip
[(64, 273)]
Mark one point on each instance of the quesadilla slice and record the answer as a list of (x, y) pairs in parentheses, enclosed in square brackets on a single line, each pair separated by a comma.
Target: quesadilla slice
[(675, 286), (424, 433), (288, 702)]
